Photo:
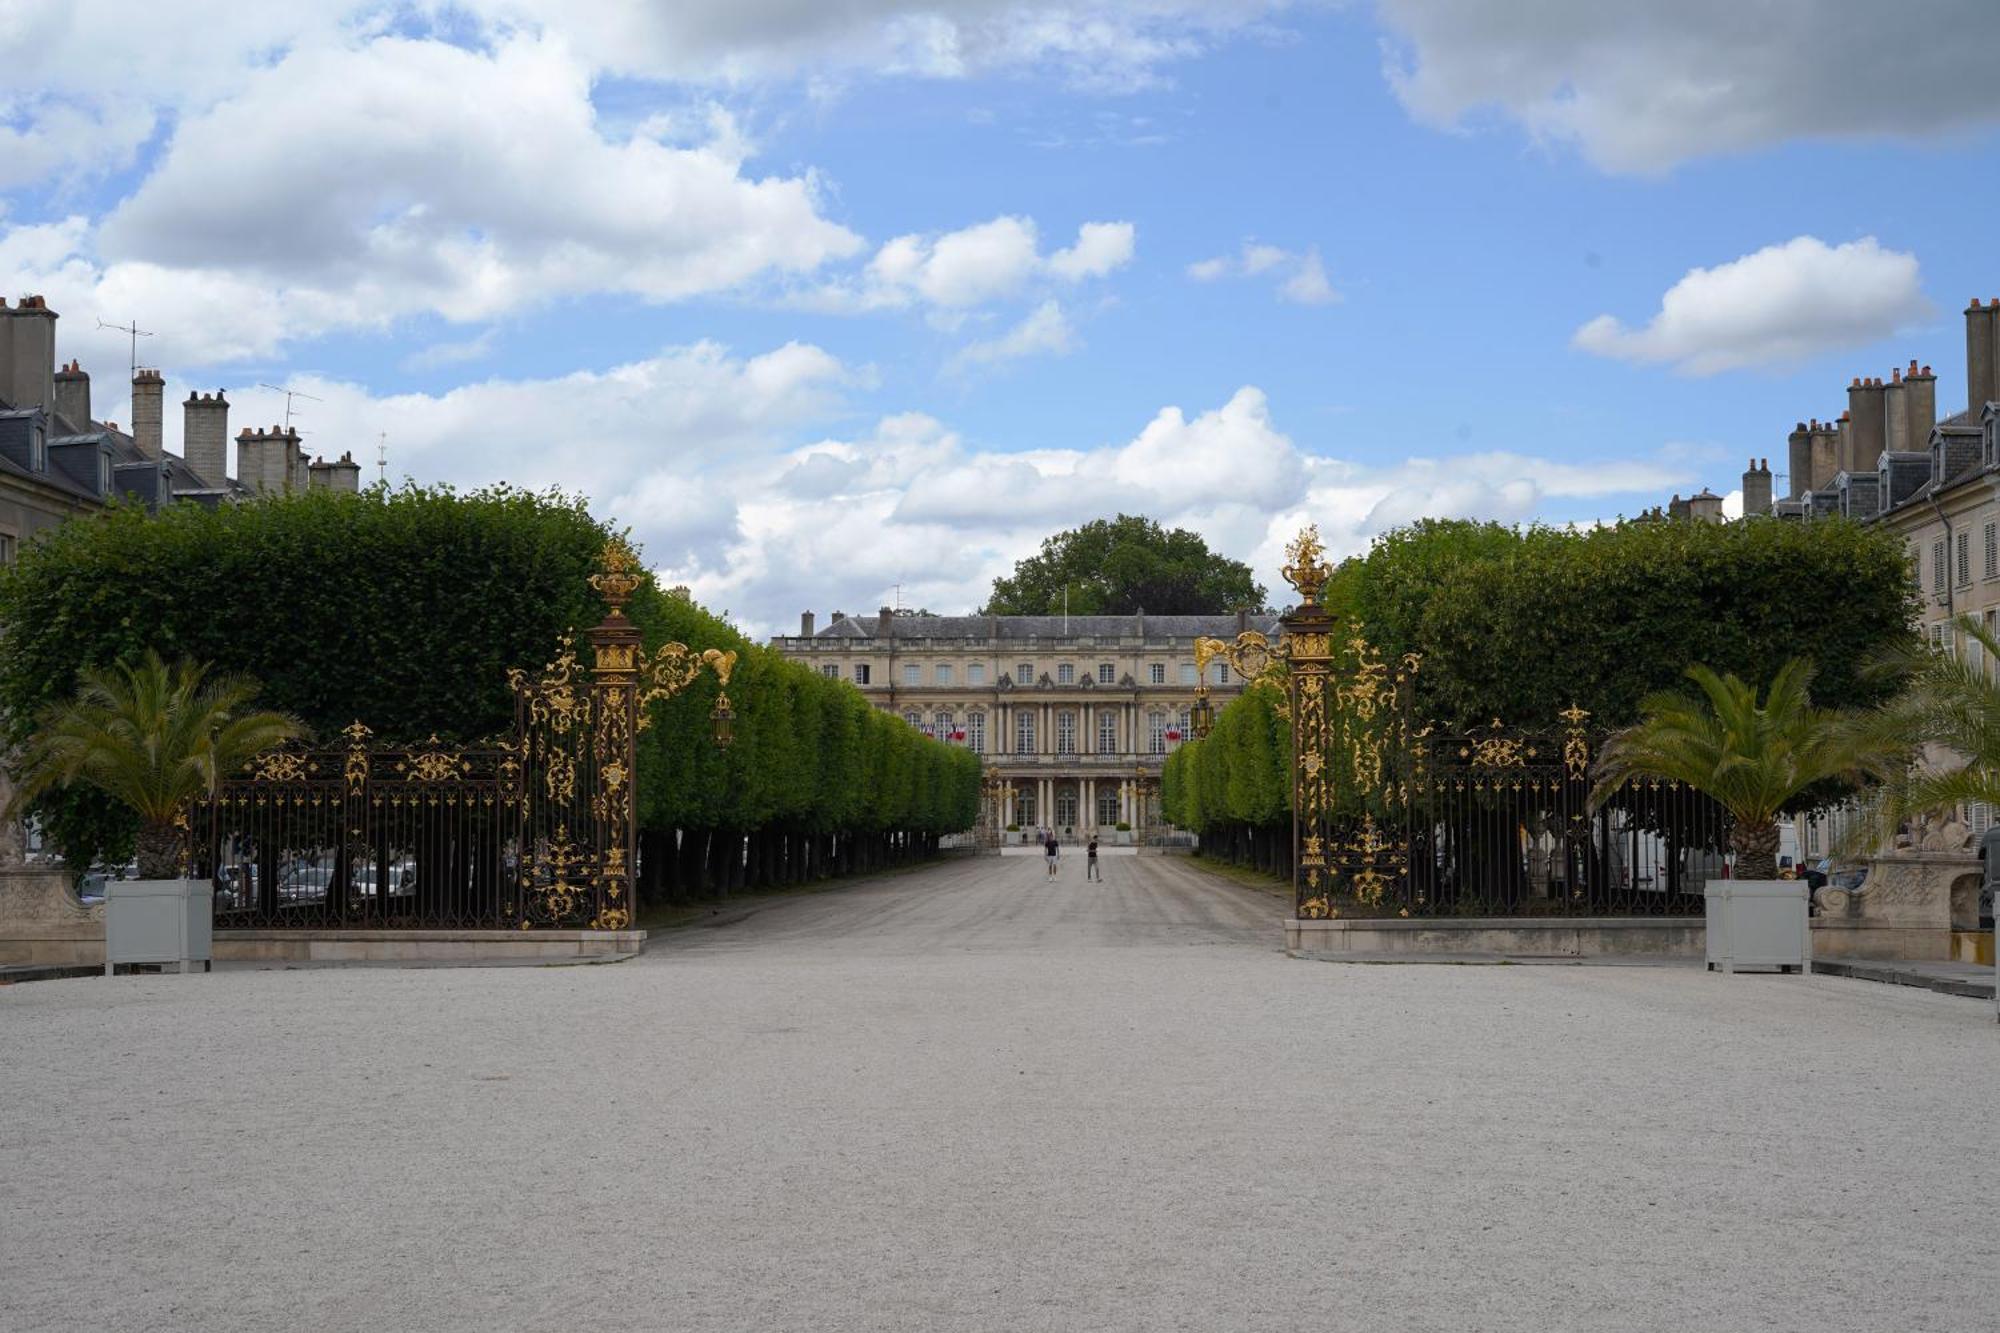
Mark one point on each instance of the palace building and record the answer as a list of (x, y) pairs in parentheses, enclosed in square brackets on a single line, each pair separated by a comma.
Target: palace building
[(1075, 715)]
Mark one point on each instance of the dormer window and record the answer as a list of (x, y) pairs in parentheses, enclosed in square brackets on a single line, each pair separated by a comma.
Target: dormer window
[(104, 472), (38, 449)]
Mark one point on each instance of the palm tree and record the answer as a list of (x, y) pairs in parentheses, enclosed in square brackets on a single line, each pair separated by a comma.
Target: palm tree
[(1949, 704), (152, 737), (1750, 758)]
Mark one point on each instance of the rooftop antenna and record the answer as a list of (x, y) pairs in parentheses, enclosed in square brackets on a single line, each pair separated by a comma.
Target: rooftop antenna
[(382, 457), (289, 395), (135, 333)]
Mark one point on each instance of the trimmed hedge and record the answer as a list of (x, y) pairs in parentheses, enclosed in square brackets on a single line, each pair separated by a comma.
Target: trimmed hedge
[(405, 608)]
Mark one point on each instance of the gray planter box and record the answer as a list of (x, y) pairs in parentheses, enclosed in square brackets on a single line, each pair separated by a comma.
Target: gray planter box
[(158, 921), (1757, 923)]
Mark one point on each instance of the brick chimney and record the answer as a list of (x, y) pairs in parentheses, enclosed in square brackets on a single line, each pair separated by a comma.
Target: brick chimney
[(1757, 488), (148, 400), (73, 397), (885, 622), (1982, 354), (805, 624), (205, 436), (1866, 437)]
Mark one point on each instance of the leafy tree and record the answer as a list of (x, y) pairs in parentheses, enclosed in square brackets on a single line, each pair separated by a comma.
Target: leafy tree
[(1121, 566), (1754, 758), (1519, 624), (150, 737)]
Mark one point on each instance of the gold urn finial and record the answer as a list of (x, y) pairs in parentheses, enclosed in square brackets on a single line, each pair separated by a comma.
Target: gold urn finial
[(1307, 570), (618, 575)]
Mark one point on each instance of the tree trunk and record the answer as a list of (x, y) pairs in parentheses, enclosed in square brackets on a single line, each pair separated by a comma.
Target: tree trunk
[(158, 850), (1756, 847)]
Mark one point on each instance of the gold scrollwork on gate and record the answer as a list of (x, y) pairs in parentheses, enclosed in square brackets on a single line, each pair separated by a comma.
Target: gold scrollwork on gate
[(280, 766), (435, 764)]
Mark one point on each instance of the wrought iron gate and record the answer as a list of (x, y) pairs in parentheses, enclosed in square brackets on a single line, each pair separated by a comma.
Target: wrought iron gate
[(535, 829)]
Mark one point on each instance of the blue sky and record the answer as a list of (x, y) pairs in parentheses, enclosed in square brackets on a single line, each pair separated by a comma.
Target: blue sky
[(1337, 262)]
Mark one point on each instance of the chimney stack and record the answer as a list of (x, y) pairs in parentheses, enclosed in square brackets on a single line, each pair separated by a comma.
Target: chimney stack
[(1798, 457), (73, 397), (28, 355), (1895, 412), (148, 401), (1866, 437), (1757, 488), (344, 474), (1823, 446), (1982, 354), (885, 621), (205, 436), (805, 624), (319, 475), (1919, 407)]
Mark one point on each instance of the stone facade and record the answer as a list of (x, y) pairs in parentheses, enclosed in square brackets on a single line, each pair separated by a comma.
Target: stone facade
[(1076, 714)]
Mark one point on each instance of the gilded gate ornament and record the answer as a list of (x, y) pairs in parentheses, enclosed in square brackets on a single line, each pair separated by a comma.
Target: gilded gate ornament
[(537, 828)]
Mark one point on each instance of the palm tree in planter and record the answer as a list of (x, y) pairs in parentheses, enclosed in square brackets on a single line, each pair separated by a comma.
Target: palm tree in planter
[(152, 737), (1752, 758)]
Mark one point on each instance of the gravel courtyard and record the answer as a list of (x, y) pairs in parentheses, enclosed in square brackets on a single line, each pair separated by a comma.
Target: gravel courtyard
[(967, 1098)]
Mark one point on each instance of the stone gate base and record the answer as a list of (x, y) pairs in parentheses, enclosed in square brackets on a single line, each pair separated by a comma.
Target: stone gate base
[(1498, 937), (427, 946)]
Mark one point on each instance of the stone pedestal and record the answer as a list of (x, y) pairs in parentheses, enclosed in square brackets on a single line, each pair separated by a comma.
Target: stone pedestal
[(1904, 910)]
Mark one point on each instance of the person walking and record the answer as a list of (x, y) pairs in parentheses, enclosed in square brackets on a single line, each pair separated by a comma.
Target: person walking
[(1090, 861), (1050, 850)]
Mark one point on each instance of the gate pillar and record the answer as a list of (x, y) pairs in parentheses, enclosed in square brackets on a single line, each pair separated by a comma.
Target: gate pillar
[(614, 713), (1308, 641)]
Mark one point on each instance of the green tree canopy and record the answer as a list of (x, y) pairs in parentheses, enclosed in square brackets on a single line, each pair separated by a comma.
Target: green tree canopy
[(1121, 566)]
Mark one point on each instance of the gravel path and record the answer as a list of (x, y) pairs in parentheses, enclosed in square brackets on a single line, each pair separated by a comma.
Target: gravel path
[(969, 1099)]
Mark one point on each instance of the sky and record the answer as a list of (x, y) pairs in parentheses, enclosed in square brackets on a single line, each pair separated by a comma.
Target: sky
[(843, 303)]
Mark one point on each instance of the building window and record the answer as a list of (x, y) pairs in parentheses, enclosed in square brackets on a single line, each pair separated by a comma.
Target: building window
[(1186, 723), (914, 718), (1992, 539), (1107, 732), (6, 548), (1188, 676), (942, 727), (1024, 674), (975, 732), (1065, 733), (1066, 807), (1104, 675), (1024, 731), (944, 673), (831, 671), (860, 673), (1964, 554), (1937, 565), (975, 674), (1156, 732), (1157, 673), (912, 673), (1066, 674), (1107, 807), (1220, 673), (1024, 805)]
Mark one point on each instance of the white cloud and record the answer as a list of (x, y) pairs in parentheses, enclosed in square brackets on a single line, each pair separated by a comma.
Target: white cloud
[(1101, 45), (1640, 87), (1045, 332), (1100, 248), (953, 272), (1302, 277), (1780, 305)]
